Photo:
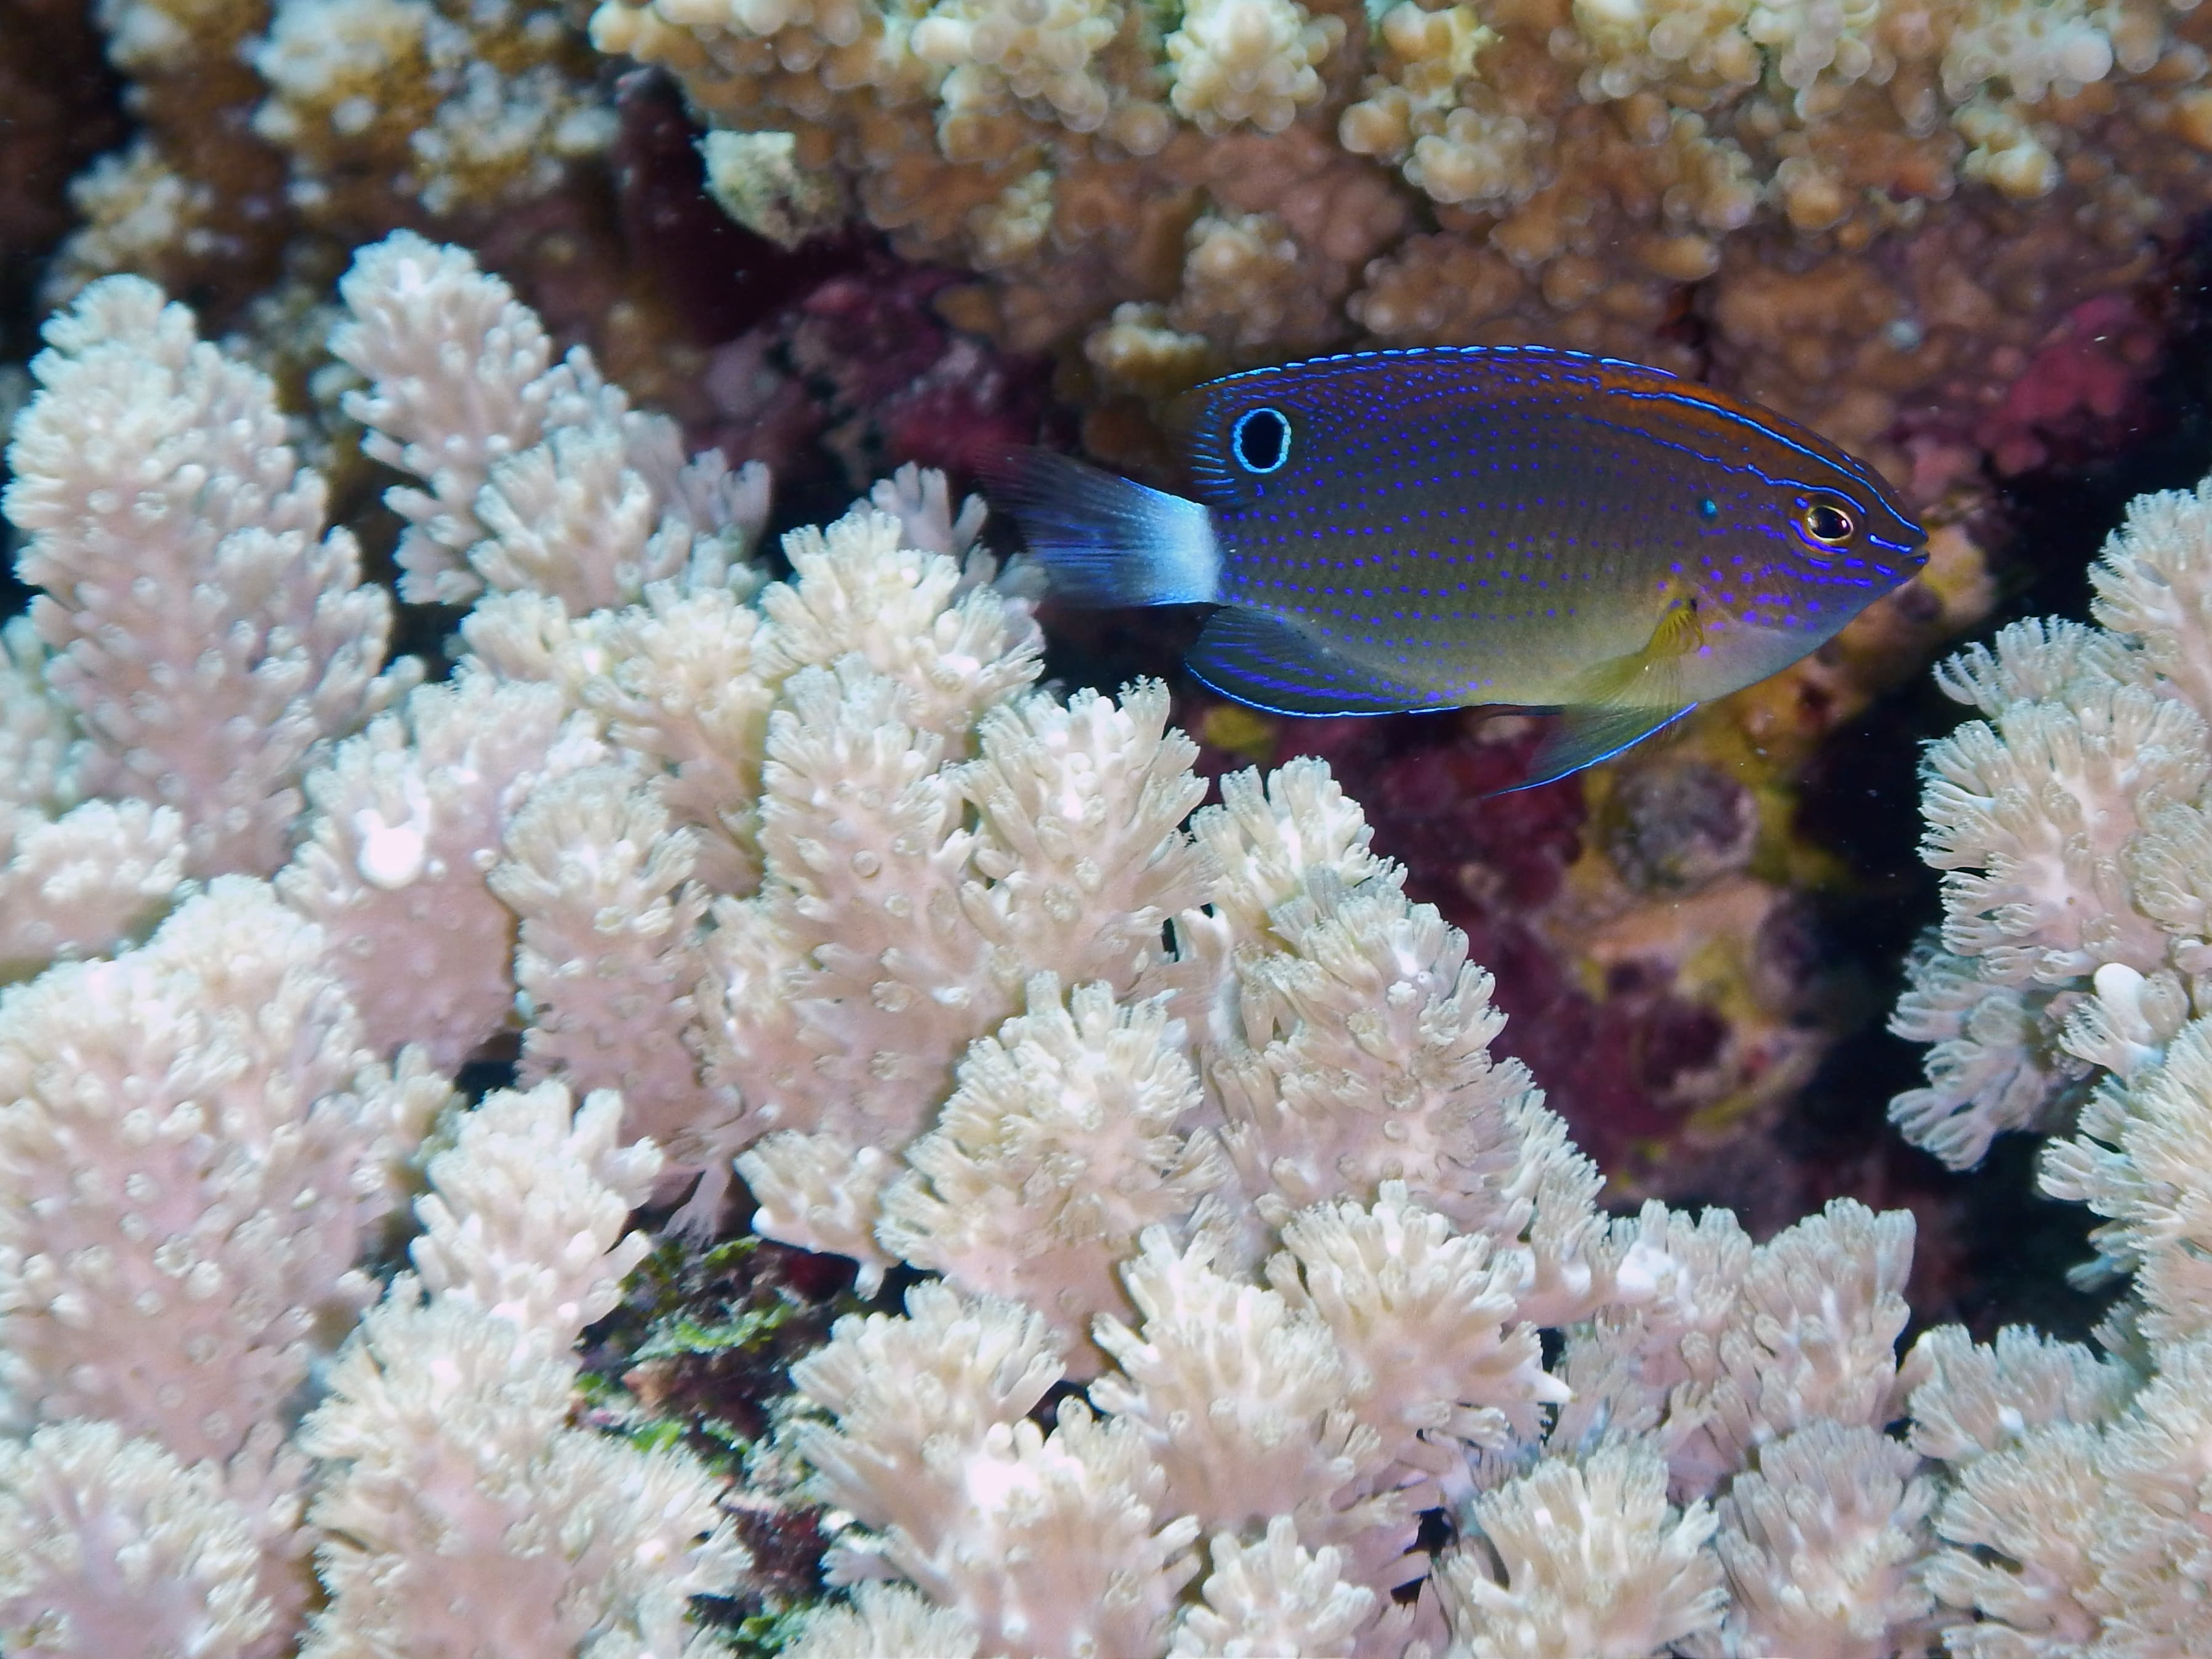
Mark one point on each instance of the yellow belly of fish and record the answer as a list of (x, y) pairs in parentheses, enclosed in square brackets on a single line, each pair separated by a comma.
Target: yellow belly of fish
[(1626, 655)]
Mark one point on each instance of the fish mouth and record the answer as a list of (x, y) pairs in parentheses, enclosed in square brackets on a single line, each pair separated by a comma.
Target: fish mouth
[(1909, 556)]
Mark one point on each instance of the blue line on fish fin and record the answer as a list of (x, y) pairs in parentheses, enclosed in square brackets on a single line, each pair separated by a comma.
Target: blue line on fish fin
[(1586, 734), (1274, 665), (1102, 539)]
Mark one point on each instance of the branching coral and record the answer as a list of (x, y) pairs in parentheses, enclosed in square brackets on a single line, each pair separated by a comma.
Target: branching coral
[(1189, 1118), (458, 1506), (2067, 1516), (2070, 820), (2068, 982), (203, 1132), (151, 469)]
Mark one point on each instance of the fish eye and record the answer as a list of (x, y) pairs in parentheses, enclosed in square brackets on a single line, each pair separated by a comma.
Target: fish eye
[(1827, 524), (1708, 508), (1261, 440)]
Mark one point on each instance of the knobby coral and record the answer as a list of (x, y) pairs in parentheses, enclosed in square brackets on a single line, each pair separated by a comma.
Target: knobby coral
[(258, 117), (1920, 228), (1933, 232)]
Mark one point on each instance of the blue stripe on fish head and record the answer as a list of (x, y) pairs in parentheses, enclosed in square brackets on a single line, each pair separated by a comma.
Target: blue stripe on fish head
[(1808, 553), (1811, 534)]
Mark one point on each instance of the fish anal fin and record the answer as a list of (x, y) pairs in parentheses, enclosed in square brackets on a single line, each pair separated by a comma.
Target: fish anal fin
[(1272, 664), (1585, 735)]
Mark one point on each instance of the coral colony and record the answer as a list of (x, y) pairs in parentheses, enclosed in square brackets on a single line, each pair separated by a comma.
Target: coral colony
[(580, 1077)]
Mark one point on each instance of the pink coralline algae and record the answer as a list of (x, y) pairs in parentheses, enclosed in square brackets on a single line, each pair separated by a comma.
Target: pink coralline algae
[(2089, 375), (2078, 393)]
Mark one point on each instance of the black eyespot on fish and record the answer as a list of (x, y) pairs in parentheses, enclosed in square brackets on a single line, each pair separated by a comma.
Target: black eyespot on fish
[(1826, 525), (1261, 440)]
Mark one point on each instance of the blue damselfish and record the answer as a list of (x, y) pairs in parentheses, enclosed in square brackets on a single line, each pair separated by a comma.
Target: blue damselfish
[(1509, 525)]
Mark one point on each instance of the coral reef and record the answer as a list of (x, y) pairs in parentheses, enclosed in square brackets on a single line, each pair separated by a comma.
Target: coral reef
[(1234, 1287), (803, 868), (1928, 233)]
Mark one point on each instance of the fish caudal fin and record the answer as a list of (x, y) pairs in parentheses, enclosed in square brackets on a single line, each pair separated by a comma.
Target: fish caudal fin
[(1105, 541), (1274, 665), (1584, 736)]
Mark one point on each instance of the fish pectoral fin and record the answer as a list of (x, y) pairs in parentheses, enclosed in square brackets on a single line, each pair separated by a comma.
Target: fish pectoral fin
[(1274, 664), (1652, 673), (1680, 632), (1586, 734)]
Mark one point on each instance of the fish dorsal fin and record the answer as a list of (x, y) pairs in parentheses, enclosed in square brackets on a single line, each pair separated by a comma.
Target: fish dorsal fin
[(1584, 735), (1272, 664)]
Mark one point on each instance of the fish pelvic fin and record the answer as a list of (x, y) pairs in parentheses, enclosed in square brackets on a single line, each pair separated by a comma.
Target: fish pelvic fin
[(1274, 664), (1584, 735), (1105, 541)]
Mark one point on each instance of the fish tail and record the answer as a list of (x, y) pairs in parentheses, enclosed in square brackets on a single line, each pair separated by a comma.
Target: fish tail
[(1106, 540)]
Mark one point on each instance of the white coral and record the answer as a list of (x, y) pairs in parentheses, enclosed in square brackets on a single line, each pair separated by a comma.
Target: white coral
[(111, 1548), (196, 1141), (459, 1508), (2070, 823), (1274, 1596), (1060, 1145), (404, 822), (528, 1217), (1021, 1532), (207, 635), (1591, 1560), (540, 475)]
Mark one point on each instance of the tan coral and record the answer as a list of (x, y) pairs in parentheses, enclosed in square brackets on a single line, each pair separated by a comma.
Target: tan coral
[(1798, 177), (1249, 60), (1245, 286), (394, 99)]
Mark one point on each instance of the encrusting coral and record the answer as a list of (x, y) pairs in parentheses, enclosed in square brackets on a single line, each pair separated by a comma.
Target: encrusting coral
[(1233, 1251), (1937, 235)]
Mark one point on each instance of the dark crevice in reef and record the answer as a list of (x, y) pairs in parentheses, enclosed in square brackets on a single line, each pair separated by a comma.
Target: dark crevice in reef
[(2061, 513)]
